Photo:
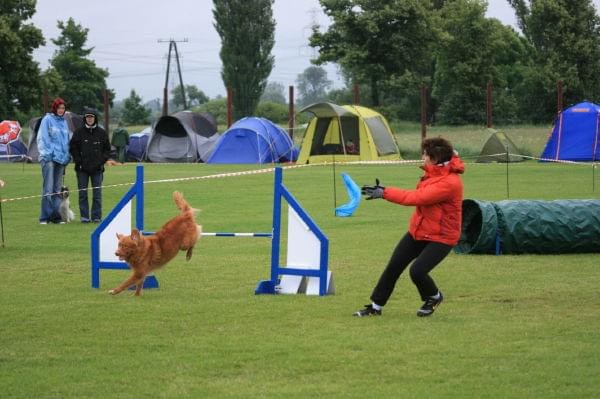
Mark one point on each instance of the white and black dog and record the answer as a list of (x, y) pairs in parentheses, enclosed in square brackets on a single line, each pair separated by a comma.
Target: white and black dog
[(64, 209)]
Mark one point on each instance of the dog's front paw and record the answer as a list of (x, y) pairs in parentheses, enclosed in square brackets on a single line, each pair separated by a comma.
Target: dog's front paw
[(112, 292)]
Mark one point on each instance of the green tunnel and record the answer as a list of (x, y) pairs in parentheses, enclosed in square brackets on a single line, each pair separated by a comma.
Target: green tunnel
[(530, 227)]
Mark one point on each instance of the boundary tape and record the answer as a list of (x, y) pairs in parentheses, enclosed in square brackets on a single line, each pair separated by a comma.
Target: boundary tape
[(271, 169)]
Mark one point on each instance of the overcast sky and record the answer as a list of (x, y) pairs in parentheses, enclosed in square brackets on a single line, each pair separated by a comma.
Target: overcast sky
[(125, 36)]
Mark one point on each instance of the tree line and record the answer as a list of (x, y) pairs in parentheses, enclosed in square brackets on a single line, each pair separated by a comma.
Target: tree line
[(393, 47), (388, 48)]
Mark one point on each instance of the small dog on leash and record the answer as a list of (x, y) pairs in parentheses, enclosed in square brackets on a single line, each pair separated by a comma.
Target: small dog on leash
[(145, 254), (64, 209)]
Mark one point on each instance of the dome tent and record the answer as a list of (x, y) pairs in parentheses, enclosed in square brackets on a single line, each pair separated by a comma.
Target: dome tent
[(138, 143), (253, 140), (349, 132), (575, 135), (494, 149), (182, 137), (12, 148)]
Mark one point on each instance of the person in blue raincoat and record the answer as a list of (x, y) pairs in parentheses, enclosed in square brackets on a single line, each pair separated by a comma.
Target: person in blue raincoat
[(53, 146)]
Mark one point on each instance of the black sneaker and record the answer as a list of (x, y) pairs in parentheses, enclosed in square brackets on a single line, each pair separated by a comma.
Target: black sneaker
[(367, 311), (429, 306)]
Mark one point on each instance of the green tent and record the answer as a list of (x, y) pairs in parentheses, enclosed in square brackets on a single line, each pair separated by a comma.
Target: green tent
[(494, 149), (120, 140)]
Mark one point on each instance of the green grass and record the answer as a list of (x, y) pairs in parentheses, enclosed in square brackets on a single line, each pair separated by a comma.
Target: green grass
[(468, 140), (511, 326)]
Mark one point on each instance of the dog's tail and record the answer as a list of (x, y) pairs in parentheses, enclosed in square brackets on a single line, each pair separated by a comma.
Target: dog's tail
[(182, 204)]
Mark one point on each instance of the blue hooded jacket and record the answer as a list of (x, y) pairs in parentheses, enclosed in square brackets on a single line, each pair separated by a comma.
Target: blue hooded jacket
[(53, 139)]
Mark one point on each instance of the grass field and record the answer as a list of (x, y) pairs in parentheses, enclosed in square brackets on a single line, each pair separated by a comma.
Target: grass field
[(510, 327)]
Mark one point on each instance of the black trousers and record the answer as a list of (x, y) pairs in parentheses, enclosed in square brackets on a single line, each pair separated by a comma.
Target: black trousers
[(426, 256), (83, 179)]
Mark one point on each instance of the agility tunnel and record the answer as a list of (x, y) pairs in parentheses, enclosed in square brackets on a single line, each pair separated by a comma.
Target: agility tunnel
[(530, 227)]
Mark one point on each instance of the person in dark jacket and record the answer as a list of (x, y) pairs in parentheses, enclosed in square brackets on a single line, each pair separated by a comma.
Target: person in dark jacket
[(434, 228), (120, 140), (90, 149)]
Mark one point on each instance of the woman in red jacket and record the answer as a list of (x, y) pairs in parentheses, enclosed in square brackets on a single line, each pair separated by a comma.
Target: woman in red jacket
[(434, 226)]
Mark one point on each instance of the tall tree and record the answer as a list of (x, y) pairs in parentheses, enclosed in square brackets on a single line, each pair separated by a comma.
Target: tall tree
[(134, 112), (19, 73), (566, 37), (84, 83), (373, 40), (194, 95), (473, 51), (247, 31), (312, 85)]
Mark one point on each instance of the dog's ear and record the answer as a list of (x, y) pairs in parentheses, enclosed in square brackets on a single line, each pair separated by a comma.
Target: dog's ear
[(119, 236), (135, 235)]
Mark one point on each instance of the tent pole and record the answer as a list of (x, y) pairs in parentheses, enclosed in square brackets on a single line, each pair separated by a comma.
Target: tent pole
[(334, 183), (594, 154), (593, 177), (343, 144), (1, 221), (507, 162)]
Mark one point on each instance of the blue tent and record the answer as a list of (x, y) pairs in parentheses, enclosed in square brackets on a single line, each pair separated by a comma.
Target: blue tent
[(576, 134), (12, 149), (15, 151), (253, 140), (138, 142)]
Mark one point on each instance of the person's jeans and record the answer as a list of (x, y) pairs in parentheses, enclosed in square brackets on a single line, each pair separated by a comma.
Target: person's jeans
[(82, 184), (52, 173)]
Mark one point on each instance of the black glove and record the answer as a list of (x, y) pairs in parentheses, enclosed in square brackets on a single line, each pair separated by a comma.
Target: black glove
[(373, 192)]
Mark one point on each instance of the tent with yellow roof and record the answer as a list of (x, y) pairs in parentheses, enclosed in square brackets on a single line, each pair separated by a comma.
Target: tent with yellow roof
[(346, 133)]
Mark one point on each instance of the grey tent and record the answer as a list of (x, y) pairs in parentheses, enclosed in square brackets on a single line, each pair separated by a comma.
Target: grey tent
[(182, 137), (494, 149), (74, 122)]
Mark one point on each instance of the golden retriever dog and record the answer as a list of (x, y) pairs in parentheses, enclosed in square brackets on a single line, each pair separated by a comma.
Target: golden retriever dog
[(145, 254)]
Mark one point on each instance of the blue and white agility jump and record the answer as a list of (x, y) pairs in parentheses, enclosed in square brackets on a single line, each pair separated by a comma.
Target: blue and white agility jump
[(306, 269)]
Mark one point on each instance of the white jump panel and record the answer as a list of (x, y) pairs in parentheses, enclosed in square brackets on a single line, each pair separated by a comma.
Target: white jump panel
[(108, 238)]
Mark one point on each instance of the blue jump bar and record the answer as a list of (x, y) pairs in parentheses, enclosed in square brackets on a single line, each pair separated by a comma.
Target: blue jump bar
[(238, 234), (149, 233)]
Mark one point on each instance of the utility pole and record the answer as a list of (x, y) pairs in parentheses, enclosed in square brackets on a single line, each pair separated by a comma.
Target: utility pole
[(423, 112), (173, 47), (489, 108), (307, 31)]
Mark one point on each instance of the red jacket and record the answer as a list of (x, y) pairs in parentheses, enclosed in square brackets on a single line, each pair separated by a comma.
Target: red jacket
[(438, 199)]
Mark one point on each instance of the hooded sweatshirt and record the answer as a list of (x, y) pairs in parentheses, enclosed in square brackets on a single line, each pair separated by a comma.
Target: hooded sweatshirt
[(53, 137), (90, 147), (438, 199)]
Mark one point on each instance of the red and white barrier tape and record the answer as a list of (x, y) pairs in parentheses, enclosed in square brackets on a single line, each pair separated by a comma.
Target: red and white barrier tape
[(269, 170)]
